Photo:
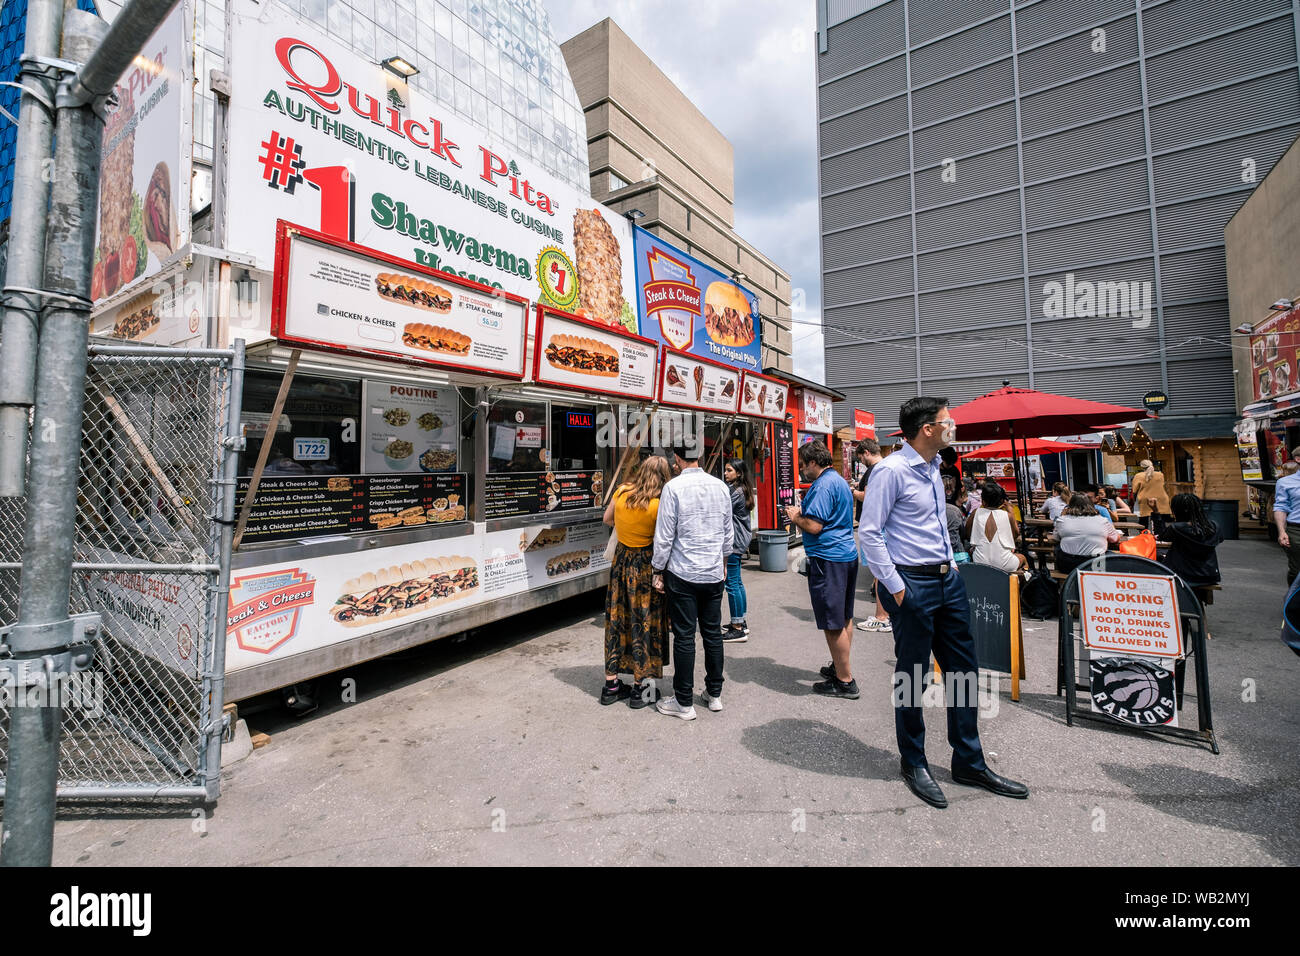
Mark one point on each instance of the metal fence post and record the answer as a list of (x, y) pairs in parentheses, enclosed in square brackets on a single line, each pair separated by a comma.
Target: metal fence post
[(45, 630), (26, 263)]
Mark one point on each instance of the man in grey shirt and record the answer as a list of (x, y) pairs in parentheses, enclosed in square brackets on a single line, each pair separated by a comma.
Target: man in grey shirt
[(693, 537)]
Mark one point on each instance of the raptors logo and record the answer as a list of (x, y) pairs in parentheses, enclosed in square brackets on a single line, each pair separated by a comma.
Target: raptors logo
[(1135, 691)]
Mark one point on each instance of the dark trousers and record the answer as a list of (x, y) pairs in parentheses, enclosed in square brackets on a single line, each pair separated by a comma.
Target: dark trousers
[(935, 616), (689, 603), (1292, 553)]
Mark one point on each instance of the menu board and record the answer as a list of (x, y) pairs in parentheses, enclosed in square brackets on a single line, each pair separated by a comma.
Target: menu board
[(316, 505), (763, 397), (785, 476), (533, 492), (410, 428), (337, 296), (1248, 450), (688, 382), (574, 353)]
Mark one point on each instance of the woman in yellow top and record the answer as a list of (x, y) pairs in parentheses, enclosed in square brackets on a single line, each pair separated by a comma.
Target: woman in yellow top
[(1149, 490), (636, 618)]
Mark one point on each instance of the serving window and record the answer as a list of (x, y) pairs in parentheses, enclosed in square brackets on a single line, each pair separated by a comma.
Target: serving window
[(352, 456), (543, 457)]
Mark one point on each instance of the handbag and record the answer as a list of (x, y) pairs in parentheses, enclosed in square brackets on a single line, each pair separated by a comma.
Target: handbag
[(1143, 545)]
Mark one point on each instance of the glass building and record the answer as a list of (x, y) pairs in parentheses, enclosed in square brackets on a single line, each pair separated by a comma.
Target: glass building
[(1036, 190)]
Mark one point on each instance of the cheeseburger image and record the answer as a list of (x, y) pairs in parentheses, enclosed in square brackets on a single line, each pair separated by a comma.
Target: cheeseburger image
[(727, 315), (578, 354), (405, 589)]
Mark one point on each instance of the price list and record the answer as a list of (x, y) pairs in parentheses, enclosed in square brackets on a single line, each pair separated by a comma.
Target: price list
[(311, 506)]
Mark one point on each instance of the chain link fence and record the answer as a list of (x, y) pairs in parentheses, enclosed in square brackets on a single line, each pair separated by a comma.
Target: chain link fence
[(145, 720)]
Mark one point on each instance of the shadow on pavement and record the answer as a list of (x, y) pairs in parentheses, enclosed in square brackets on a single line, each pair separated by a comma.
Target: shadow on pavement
[(820, 748), (1208, 799), (781, 678)]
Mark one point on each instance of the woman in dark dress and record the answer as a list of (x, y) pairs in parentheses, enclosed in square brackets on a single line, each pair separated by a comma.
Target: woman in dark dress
[(1193, 538), (741, 487)]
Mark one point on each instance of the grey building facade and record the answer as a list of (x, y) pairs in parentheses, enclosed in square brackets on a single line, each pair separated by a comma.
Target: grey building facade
[(1036, 190)]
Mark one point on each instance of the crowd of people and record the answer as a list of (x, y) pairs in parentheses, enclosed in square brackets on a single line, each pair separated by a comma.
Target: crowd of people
[(906, 522)]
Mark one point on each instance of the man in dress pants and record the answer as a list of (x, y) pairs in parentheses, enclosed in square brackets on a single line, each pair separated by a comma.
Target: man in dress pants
[(904, 537)]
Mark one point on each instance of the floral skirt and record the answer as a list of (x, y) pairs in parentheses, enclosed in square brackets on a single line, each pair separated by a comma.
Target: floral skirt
[(636, 617)]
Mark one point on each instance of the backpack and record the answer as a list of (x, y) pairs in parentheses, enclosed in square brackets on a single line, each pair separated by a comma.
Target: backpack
[(1039, 597)]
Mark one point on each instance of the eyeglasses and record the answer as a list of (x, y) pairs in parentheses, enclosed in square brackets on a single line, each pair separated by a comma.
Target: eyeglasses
[(945, 422)]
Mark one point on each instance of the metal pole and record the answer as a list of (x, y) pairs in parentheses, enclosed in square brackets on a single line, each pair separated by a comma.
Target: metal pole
[(26, 266), (232, 442), (42, 632)]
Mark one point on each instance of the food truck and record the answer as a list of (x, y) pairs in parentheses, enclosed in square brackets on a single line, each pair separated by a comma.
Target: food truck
[(448, 353)]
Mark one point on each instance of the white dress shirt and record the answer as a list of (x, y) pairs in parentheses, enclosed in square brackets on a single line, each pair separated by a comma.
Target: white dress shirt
[(693, 532)]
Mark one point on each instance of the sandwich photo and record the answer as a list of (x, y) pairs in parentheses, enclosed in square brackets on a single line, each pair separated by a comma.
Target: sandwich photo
[(727, 316), (547, 538), (434, 338), (569, 561), (699, 381), (339, 484), (762, 394), (729, 388), (578, 354), (413, 291), (749, 393), (159, 230), (137, 318), (401, 590)]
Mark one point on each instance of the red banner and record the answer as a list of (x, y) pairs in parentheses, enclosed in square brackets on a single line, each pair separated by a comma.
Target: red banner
[(864, 424)]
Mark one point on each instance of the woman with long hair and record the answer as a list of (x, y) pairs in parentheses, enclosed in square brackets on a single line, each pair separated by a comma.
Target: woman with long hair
[(636, 618), (992, 531), (1193, 538), (741, 486), (1149, 495)]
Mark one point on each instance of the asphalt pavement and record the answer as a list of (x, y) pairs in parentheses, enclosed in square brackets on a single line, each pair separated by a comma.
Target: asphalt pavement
[(494, 750)]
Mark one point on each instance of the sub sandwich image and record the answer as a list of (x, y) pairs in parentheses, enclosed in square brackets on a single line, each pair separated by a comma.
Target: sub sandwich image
[(413, 291), (434, 338), (579, 354), (547, 538), (406, 589), (699, 381), (727, 316), (137, 319), (569, 561)]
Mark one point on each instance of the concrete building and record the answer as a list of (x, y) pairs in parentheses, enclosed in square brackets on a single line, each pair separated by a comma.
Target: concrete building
[(650, 148), (1036, 190)]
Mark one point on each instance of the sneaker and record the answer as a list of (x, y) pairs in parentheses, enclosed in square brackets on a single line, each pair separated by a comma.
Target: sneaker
[(642, 695), (828, 671), (876, 625), (670, 707), (610, 695), (834, 687), (735, 633), (715, 703)]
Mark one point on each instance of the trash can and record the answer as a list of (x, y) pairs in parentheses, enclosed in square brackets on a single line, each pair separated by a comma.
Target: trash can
[(773, 550), (1223, 512)]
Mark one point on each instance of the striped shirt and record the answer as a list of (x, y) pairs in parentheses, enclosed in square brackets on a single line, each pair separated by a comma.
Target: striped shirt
[(693, 531)]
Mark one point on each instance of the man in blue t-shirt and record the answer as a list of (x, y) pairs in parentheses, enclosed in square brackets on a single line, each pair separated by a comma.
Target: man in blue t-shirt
[(826, 520)]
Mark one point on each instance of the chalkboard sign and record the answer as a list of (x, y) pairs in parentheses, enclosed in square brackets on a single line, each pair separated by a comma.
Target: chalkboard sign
[(785, 476), (994, 598)]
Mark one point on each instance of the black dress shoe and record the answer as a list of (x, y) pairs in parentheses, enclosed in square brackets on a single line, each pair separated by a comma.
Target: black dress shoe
[(990, 781), (920, 782)]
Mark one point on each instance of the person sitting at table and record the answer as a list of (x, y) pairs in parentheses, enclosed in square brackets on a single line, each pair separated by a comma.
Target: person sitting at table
[(1097, 501), (992, 531), (956, 509), (1057, 503), (1193, 538), (1117, 505), (1081, 534)]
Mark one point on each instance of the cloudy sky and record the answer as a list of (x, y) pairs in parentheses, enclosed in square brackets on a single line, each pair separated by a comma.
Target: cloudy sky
[(758, 88)]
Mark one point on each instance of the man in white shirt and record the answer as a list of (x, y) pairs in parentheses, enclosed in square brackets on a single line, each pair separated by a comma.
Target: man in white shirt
[(693, 537)]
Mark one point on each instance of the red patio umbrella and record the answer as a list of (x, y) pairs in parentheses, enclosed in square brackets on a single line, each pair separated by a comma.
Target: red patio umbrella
[(1032, 446), (1011, 412)]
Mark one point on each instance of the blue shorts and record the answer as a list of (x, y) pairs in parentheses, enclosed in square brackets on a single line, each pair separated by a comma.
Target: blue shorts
[(831, 585)]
